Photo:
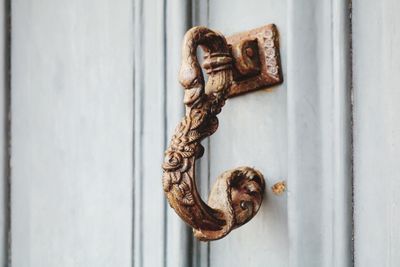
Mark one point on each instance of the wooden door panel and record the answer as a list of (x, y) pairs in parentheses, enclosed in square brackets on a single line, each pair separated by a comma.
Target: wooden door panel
[(95, 99), (376, 38), (253, 132), (72, 113), (319, 133)]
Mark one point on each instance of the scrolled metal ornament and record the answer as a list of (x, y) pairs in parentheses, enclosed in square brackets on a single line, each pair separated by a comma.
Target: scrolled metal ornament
[(237, 194)]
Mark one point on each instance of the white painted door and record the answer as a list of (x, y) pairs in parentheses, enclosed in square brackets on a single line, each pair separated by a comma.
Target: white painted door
[(90, 99)]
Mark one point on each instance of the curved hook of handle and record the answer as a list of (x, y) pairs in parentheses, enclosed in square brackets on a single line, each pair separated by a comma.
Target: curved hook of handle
[(237, 194)]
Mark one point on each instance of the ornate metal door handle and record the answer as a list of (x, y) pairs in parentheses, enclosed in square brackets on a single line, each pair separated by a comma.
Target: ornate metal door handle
[(248, 62)]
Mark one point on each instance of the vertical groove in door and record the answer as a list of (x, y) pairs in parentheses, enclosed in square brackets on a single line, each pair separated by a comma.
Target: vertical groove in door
[(342, 127), (150, 138), (159, 29), (165, 119), (167, 23), (201, 250), (5, 59), (138, 111), (350, 33), (177, 21), (319, 133)]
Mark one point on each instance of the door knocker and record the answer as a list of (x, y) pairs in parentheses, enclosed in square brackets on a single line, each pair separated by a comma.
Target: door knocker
[(236, 65)]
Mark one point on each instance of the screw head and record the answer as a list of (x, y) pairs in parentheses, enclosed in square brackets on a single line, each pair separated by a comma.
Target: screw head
[(249, 52)]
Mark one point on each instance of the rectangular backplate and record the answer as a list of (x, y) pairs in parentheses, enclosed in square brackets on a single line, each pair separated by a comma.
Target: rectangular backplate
[(257, 62)]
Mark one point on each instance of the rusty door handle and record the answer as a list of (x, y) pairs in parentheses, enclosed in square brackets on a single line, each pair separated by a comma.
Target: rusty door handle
[(249, 62)]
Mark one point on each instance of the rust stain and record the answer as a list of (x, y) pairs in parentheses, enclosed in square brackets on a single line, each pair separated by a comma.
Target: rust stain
[(279, 188)]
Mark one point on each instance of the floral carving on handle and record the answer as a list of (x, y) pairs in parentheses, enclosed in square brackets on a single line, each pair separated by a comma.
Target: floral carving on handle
[(237, 194)]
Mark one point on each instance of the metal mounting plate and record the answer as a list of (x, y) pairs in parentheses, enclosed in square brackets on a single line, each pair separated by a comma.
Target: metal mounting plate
[(256, 59)]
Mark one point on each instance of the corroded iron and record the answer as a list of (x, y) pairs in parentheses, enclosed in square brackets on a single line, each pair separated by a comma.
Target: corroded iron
[(263, 58), (237, 194)]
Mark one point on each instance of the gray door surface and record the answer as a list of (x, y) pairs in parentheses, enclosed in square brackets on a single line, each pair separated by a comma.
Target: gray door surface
[(90, 98)]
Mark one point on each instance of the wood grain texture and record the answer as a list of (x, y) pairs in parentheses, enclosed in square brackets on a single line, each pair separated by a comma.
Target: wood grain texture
[(319, 133), (72, 76), (376, 68), (252, 132)]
